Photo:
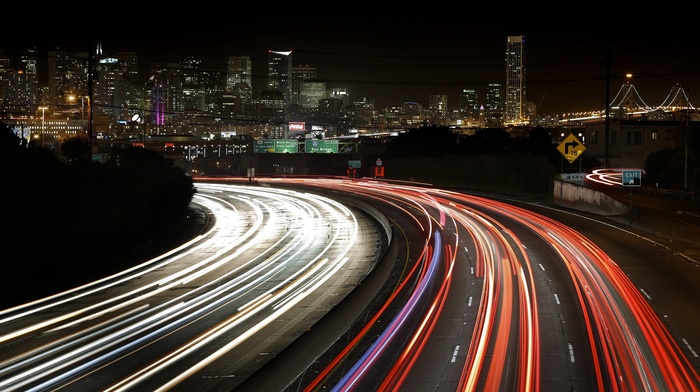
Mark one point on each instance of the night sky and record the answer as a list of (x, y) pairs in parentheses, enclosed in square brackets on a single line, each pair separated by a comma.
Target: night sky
[(398, 58)]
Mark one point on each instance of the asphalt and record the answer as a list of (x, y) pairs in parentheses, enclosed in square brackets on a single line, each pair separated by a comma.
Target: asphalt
[(670, 220)]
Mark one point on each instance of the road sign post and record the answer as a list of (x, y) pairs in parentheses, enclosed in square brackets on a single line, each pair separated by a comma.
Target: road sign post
[(379, 169), (630, 179)]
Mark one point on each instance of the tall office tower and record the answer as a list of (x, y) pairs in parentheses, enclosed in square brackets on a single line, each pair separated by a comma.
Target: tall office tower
[(515, 79), (311, 93), (469, 105), (19, 83), (6, 71), (109, 89), (437, 105), (239, 72), (493, 109), (133, 88), (279, 73), (238, 91), (361, 111), (300, 75), (28, 79), (165, 87), (214, 84), (67, 77), (193, 91)]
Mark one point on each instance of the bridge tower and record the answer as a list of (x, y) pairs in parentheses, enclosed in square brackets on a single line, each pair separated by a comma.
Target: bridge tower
[(628, 98), (677, 99)]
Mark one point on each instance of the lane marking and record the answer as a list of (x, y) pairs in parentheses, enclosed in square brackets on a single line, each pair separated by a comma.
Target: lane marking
[(645, 294), (454, 354), (571, 353), (695, 354)]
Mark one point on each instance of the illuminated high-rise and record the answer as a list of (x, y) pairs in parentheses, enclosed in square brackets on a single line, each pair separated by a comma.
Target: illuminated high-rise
[(279, 73), (515, 79), (238, 91), (493, 107), (193, 90), (437, 105), (469, 104), (300, 75), (239, 71)]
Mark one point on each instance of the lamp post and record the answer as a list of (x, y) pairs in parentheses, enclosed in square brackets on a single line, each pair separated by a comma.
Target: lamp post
[(82, 123), (82, 109), (43, 123)]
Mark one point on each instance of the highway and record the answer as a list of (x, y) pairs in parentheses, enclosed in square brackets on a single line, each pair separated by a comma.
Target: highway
[(436, 290), (503, 298), (205, 315)]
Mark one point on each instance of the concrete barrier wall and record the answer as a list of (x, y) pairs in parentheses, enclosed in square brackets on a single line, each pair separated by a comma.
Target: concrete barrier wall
[(577, 197)]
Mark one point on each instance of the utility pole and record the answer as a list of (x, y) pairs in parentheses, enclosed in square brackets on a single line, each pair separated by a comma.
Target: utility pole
[(90, 60), (606, 162), (43, 126), (687, 133), (91, 54)]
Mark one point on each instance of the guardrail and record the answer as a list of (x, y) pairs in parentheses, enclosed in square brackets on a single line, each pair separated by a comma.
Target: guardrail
[(650, 190)]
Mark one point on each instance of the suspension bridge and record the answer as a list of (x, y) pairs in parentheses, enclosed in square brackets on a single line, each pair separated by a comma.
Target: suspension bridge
[(628, 98)]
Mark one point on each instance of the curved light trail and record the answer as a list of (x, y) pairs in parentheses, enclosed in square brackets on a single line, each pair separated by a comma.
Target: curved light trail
[(270, 259), (631, 348), (280, 255)]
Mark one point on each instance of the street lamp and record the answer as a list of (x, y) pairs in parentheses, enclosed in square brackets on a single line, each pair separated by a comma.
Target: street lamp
[(43, 123), (82, 109)]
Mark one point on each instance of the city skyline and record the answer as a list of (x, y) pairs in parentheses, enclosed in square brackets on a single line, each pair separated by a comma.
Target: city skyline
[(392, 63)]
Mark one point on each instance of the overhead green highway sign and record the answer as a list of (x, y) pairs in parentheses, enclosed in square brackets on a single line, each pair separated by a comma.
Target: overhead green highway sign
[(320, 145), (276, 145)]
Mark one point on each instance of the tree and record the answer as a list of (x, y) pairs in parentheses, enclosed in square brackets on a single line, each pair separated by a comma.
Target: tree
[(9, 141), (665, 168), (65, 224), (431, 141), (489, 141), (76, 148)]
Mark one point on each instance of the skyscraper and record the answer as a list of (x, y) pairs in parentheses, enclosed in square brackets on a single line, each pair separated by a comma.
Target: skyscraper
[(469, 105), (515, 79), (67, 76), (279, 73), (238, 91), (493, 110), (300, 75), (437, 106), (239, 71)]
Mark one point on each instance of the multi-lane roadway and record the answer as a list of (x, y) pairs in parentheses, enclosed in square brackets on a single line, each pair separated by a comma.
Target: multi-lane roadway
[(205, 315), (310, 284)]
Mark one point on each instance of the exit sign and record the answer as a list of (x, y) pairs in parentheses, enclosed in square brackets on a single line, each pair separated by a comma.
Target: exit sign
[(631, 178)]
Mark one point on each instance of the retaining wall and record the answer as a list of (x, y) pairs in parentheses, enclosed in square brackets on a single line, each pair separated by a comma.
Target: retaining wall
[(577, 197)]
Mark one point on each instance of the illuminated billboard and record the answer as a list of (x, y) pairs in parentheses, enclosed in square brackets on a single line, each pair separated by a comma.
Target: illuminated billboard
[(297, 126)]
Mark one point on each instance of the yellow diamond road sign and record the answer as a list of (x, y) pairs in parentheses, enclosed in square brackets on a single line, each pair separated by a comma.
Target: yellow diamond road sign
[(571, 148)]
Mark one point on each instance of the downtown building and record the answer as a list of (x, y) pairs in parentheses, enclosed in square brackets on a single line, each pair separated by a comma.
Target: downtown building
[(515, 80)]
